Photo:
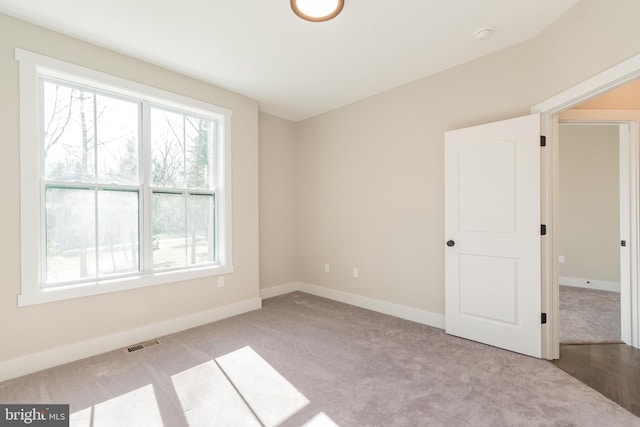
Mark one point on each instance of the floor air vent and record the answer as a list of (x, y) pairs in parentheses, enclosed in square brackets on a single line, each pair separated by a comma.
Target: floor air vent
[(142, 345)]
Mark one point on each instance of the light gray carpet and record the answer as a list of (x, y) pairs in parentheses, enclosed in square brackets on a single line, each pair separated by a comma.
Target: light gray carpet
[(589, 316), (305, 360)]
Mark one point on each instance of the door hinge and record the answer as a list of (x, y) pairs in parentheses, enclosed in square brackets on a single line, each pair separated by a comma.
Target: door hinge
[(543, 141), (543, 230), (623, 243), (543, 318)]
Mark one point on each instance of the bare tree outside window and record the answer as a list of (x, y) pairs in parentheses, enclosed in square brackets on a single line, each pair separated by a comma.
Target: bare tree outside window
[(123, 185), (182, 167), (89, 140), (93, 188)]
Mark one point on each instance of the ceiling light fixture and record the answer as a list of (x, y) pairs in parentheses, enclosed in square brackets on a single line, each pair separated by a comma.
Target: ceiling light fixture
[(317, 10)]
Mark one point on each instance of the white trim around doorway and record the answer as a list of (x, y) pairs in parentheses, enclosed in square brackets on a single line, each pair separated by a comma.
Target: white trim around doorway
[(615, 76)]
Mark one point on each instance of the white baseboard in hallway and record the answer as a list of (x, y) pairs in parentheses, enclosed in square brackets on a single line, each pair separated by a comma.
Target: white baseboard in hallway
[(600, 285), (31, 363), (408, 313)]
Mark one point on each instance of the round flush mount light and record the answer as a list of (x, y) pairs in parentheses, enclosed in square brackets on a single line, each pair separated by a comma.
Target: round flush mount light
[(317, 10), (482, 34)]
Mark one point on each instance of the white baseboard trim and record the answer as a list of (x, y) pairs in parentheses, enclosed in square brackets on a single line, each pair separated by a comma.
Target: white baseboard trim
[(24, 365), (601, 285), (396, 310), (275, 291), (408, 313)]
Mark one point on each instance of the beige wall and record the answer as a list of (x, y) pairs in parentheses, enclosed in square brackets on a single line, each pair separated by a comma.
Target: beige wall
[(370, 184), (589, 226), (45, 326), (278, 242), (591, 37), (370, 175)]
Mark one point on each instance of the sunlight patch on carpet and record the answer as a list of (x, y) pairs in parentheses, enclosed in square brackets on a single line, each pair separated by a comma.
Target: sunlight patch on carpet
[(135, 408), (320, 420), (271, 397), (208, 399)]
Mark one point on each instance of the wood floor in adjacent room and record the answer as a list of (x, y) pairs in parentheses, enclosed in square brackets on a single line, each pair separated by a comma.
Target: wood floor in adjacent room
[(611, 369)]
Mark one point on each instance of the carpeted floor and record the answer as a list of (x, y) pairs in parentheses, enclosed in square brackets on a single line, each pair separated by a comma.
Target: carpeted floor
[(589, 316), (304, 360)]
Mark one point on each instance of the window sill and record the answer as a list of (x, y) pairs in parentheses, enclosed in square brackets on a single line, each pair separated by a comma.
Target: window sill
[(103, 287)]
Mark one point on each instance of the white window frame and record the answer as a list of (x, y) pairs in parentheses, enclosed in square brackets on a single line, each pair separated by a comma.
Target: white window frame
[(32, 67)]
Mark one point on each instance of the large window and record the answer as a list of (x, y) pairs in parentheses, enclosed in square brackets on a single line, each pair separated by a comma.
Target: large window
[(122, 185)]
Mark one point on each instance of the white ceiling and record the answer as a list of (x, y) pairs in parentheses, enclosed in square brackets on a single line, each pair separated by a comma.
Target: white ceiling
[(294, 68)]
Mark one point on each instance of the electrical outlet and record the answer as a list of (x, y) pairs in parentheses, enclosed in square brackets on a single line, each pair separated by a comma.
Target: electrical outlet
[(356, 272), (561, 259), (326, 268), (221, 281)]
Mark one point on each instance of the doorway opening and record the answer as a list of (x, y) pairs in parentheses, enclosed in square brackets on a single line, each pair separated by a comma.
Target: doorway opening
[(592, 231), (550, 110), (577, 359)]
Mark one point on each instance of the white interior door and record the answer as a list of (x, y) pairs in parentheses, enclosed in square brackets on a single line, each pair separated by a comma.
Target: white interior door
[(492, 228)]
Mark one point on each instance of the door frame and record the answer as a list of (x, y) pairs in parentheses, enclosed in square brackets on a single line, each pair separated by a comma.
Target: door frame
[(549, 109), (628, 188)]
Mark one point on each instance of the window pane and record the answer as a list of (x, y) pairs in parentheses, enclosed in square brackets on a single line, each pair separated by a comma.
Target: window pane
[(118, 232), (69, 133), (117, 130), (71, 249), (167, 149), (169, 230), (199, 152), (200, 222)]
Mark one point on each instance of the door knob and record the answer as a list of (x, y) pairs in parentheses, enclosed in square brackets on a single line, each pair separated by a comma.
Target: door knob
[(451, 243)]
